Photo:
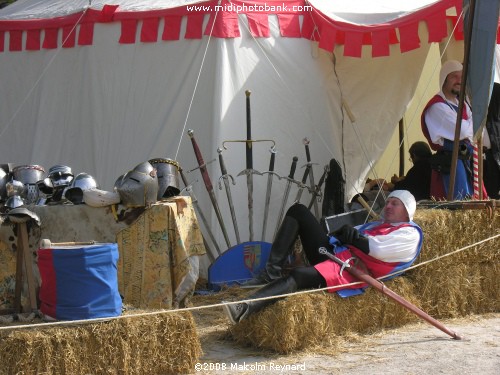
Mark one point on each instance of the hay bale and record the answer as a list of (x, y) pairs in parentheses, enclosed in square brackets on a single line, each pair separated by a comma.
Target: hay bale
[(307, 320), (465, 282), (446, 231), (458, 285), (155, 344)]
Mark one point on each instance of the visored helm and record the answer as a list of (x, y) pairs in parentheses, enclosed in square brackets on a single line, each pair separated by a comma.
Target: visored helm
[(60, 175), (82, 181), (168, 177), (139, 187), (28, 174)]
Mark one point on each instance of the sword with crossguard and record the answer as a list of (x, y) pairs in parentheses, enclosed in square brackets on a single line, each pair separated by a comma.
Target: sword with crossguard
[(249, 171), (270, 174), (302, 185), (208, 185), (289, 182), (316, 194), (225, 177), (311, 174)]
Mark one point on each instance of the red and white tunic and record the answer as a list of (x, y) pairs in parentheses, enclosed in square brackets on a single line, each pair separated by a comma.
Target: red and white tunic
[(393, 247)]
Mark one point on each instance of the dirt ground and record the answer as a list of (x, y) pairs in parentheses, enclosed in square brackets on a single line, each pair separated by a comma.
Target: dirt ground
[(418, 349)]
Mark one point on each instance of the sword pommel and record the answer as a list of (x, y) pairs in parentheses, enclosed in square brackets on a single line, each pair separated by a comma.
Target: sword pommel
[(293, 167), (306, 145), (247, 93), (190, 133), (272, 150)]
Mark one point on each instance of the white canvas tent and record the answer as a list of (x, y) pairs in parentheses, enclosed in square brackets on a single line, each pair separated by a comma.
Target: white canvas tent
[(104, 86)]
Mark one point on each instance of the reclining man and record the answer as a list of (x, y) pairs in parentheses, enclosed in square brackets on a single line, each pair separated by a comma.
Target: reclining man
[(381, 246)]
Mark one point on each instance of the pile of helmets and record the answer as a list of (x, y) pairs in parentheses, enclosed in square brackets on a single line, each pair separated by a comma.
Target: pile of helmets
[(18, 185), (30, 185), (59, 177), (145, 184), (148, 182), (79, 189)]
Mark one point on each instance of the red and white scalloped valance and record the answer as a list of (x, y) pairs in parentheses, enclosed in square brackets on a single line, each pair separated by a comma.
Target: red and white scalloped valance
[(296, 19)]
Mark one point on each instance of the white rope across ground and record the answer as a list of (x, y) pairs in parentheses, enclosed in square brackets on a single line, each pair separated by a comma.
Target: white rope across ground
[(158, 312)]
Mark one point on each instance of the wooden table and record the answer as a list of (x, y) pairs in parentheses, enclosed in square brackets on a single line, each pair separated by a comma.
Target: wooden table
[(159, 247)]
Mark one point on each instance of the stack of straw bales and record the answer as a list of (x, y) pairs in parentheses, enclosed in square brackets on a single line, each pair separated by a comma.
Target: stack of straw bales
[(166, 343), (462, 283)]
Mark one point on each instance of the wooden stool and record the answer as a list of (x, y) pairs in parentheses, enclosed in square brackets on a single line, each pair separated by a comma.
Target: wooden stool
[(24, 262)]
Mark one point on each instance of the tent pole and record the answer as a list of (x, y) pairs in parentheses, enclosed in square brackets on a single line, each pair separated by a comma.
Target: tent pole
[(401, 147), (461, 99), (480, 166)]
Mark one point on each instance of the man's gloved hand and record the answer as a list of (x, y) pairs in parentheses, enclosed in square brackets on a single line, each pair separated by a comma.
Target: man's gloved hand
[(347, 234)]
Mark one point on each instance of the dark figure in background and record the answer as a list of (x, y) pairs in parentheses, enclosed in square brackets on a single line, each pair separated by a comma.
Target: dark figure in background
[(418, 178), (491, 170), (334, 192), (382, 247)]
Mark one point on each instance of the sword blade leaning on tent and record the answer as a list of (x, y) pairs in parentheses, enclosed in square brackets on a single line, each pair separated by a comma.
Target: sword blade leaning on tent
[(302, 184), (249, 171), (316, 194), (311, 174), (225, 177), (287, 191), (270, 172), (379, 286), (208, 185), (199, 212)]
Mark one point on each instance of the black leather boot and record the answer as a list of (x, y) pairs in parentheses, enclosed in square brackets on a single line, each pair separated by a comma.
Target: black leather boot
[(239, 311), (281, 248)]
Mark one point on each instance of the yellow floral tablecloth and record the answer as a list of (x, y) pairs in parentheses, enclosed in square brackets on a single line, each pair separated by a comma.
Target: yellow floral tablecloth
[(155, 251), (155, 248)]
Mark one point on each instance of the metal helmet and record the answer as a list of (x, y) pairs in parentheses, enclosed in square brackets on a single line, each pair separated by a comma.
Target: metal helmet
[(82, 182), (138, 187), (14, 201), (60, 175), (46, 186), (118, 182), (167, 171), (28, 174), (15, 187), (32, 193), (4, 178)]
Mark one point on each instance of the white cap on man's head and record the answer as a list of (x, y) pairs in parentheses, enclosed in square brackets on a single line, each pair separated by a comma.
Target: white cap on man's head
[(408, 200), (448, 67)]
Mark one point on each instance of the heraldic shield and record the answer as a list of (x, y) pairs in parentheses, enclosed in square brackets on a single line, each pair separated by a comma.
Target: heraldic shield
[(238, 264)]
